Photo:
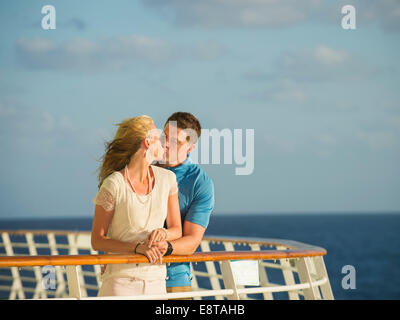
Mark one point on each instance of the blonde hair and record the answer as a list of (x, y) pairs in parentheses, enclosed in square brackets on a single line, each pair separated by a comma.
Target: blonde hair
[(130, 134)]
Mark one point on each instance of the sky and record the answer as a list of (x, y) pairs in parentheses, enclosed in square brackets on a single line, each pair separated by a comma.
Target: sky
[(323, 101)]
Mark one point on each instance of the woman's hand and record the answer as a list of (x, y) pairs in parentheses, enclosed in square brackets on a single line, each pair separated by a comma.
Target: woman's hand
[(162, 246), (156, 235), (152, 253)]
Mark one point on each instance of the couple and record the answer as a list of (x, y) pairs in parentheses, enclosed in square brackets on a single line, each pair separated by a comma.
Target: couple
[(137, 200)]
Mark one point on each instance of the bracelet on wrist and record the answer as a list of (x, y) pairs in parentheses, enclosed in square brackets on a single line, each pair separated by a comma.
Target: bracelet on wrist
[(137, 245)]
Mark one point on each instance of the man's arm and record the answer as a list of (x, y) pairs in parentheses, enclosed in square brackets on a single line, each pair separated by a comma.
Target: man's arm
[(192, 236), (196, 220)]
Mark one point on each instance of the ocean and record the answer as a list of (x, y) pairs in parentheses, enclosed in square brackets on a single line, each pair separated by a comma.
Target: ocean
[(368, 242)]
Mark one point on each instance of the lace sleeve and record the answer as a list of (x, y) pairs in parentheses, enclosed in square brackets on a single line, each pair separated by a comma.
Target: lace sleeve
[(106, 196), (105, 199)]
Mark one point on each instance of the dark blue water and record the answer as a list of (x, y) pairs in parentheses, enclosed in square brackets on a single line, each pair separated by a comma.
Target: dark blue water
[(369, 242)]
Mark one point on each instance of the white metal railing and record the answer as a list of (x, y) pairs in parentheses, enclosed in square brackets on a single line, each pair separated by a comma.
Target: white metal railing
[(301, 265)]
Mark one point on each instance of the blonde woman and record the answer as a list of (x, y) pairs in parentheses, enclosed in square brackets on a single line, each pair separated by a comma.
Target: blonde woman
[(134, 200)]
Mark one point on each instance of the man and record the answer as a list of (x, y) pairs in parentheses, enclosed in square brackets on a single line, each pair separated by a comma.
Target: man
[(196, 194)]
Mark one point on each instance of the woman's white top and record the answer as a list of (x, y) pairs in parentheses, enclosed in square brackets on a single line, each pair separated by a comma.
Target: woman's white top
[(133, 220)]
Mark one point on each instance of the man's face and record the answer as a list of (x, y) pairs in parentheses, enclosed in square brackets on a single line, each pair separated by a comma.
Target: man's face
[(176, 145)]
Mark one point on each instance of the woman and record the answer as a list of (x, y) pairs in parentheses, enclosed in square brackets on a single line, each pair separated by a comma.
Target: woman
[(133, 202)]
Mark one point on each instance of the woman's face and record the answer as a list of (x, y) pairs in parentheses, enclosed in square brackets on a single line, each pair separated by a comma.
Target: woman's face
[(155, 152)]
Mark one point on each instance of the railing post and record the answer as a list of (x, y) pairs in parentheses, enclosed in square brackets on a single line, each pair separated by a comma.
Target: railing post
[(326, 289), (39, 290), (73, 249), (304, 269), (288, 275), (74, 285), (264, 281), (229, 280), (211, 270), (60, 292), (16, 287)]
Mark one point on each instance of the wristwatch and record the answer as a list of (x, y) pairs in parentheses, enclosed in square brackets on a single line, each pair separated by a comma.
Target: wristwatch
[(169, 250)]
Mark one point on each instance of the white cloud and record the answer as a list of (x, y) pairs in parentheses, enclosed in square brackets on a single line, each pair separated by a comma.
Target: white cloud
[(36, 45), (316, 64), (326, 139), (112, 53), (83, 54), (236, 13), (35, 130), (208, 50), (375, 140), (283, 91), (329, 56), (274, 13), (6, 110)]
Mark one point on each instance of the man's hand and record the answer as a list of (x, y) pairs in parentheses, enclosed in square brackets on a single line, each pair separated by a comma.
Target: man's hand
[(162, 246)]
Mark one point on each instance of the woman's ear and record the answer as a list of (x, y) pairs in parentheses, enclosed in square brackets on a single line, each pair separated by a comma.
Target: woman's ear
[(146, 143)]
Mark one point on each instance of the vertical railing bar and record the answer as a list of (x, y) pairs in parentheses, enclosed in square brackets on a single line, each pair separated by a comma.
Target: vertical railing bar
[(264, 281), (195, 285), (39, 291), (303, 268), (74, 251), (205, 247), (288, 275), (229, 280), (16, 287), (74, 286), (61, 285), (325, 288)]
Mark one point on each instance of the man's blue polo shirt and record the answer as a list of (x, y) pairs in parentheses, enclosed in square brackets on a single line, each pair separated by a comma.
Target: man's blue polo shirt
[(196, 202)]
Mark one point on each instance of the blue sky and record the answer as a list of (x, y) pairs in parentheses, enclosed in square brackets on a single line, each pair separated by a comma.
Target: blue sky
[(323, 101)]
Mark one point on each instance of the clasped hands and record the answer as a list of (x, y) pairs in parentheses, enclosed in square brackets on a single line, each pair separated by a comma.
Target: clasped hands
[(155, 246)]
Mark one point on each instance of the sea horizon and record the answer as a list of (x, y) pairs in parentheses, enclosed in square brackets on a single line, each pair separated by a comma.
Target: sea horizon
[(287, 213)]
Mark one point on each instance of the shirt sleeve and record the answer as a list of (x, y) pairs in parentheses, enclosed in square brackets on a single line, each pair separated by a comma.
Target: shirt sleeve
[(107, 195), (203, 203), (173, 184)]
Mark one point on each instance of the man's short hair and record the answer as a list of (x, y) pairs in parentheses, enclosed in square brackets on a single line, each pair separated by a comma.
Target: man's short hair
[(185, 120)]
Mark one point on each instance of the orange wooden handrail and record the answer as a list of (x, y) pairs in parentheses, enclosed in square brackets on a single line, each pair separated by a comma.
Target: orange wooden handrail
[(294, 250), (64, 260), (261, 241)]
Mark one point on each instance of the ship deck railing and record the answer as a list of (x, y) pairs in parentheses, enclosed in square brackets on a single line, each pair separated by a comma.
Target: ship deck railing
[(71, 269)]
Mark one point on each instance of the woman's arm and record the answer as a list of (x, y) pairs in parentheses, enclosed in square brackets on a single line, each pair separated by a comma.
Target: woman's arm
[(99, 240)]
